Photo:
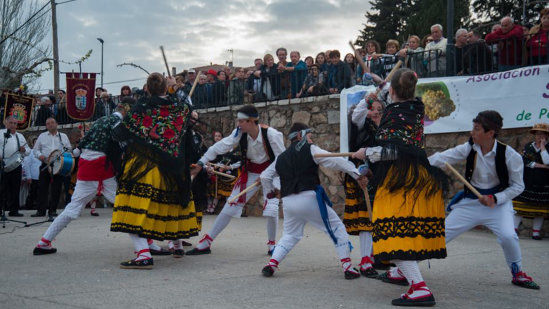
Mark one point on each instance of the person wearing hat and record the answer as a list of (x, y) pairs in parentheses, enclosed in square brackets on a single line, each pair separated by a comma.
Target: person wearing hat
[(495, 170), (259, 146), (303, 198), (533, 202)]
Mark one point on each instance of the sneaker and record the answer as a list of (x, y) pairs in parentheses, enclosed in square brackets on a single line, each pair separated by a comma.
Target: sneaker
[(196, 251), (418, 295), (43, 250), (267, 271), (141, 264), (386, 277), (524, 281)]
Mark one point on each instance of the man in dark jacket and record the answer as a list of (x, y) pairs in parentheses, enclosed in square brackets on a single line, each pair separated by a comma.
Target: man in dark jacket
[(342, 77)]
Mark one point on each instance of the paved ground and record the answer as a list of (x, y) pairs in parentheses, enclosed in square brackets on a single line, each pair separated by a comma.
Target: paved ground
[(85, 273)]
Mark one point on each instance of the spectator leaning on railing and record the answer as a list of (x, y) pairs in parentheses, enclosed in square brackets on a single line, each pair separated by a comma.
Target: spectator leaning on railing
[(509, 40), (269, 88), (342, 73), (390, 59), (461, 42), (538, 38), (283, 78), (298, 72), (436, 52), (413, 55), (477, 57), (313, 84)]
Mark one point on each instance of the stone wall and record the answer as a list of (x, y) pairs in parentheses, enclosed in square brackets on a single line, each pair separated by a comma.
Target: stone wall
[(322, 114)]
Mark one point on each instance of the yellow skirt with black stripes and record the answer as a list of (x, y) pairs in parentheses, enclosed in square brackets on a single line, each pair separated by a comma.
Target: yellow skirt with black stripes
[(355, 216), (406, 227), (531, 210), (149, 209)]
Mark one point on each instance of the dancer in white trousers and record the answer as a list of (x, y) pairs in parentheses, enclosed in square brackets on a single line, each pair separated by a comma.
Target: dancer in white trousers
[(259, 145), (304, 200), (95, 175), (495, 170)]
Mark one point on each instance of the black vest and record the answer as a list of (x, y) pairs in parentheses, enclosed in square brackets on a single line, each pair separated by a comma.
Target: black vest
[(501, 166), (244, 145), (297, 170)]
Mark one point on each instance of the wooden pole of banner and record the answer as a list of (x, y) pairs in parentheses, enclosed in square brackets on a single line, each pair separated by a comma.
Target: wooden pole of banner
[(165, 61), (331, 155)]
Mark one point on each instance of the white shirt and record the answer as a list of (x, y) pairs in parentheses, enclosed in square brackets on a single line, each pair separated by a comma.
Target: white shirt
[(544, 156), (11, 144), (484, 174), (31, 166), (340, 164), (359, 114), (256, 152), (46, 143)]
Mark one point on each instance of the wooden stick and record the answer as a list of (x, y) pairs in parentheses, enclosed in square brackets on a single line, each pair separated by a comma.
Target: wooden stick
[(165, 61), (463, 180), (368, 204), (393, 71), (224, 175), (330, 155), (243, 192), (216, 165), (195, 83)]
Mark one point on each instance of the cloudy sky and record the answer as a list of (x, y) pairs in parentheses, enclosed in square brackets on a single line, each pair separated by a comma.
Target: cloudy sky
[(195, 33)]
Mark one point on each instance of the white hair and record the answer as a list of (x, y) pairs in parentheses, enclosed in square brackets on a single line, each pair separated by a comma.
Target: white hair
[(510, 18), (460, 32), (439, 26), (44, 99)]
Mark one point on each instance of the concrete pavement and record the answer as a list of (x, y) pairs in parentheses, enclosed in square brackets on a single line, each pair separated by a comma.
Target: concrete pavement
[(84, 273)]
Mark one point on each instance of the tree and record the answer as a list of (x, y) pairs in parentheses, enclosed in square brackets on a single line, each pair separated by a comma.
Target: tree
[(392, 19), (21, 52), (491, 11)]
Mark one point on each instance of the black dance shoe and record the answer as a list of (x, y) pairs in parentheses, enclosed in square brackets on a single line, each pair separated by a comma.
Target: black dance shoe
[(398, 281), (369, 272), (43, 251), (351, 274), (427, 301), (178, 253), (267, 271), (196, 251), (133, 264), (162, 251)]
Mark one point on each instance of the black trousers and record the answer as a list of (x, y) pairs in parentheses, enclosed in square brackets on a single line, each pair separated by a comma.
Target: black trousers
[(12, 185), (33, 195), (48, 185)]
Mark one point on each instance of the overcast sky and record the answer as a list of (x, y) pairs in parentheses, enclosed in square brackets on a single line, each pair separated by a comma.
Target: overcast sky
[(195, 33)]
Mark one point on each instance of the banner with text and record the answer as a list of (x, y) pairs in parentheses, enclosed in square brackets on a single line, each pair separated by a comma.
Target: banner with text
[(80, 95), (521, 96)]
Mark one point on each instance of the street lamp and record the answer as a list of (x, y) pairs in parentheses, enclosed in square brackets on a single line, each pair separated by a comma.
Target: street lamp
[(101, 41)]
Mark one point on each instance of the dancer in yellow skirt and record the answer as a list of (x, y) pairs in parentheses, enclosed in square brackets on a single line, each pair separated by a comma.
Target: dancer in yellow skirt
[(365, 118), (408, 216), (154, 191)]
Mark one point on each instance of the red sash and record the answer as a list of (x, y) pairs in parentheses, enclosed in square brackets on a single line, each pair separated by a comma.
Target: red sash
[(95, 170), (241, 182)]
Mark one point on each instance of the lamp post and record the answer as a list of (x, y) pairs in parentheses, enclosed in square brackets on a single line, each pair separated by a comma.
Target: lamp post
[(101, 41)]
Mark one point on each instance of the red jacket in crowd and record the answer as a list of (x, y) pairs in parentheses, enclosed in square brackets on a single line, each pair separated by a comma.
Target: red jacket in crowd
[(509, 45)]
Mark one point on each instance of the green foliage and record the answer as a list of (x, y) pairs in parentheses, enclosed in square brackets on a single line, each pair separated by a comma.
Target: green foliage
[(391, 19)]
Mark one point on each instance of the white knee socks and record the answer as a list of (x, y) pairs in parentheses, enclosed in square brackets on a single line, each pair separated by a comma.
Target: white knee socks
[(410, 270), (272, 224), (141, 247)]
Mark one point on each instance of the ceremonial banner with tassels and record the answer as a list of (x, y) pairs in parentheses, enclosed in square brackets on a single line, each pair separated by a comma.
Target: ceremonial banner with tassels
[(20, 107), (80, 95)]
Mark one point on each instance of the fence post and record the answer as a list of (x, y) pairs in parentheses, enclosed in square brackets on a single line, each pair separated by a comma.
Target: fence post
[(450, 48)]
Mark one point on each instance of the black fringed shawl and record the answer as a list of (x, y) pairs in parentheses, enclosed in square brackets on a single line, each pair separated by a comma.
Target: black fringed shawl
[(156, 134), (401, 132)]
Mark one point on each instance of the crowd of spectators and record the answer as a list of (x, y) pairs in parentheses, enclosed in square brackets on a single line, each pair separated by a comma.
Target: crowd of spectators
[(273, 77)]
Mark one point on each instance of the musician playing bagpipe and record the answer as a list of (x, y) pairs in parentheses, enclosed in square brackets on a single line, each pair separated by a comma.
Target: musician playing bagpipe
[(99, 159), (154, 189), (14, 149)]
